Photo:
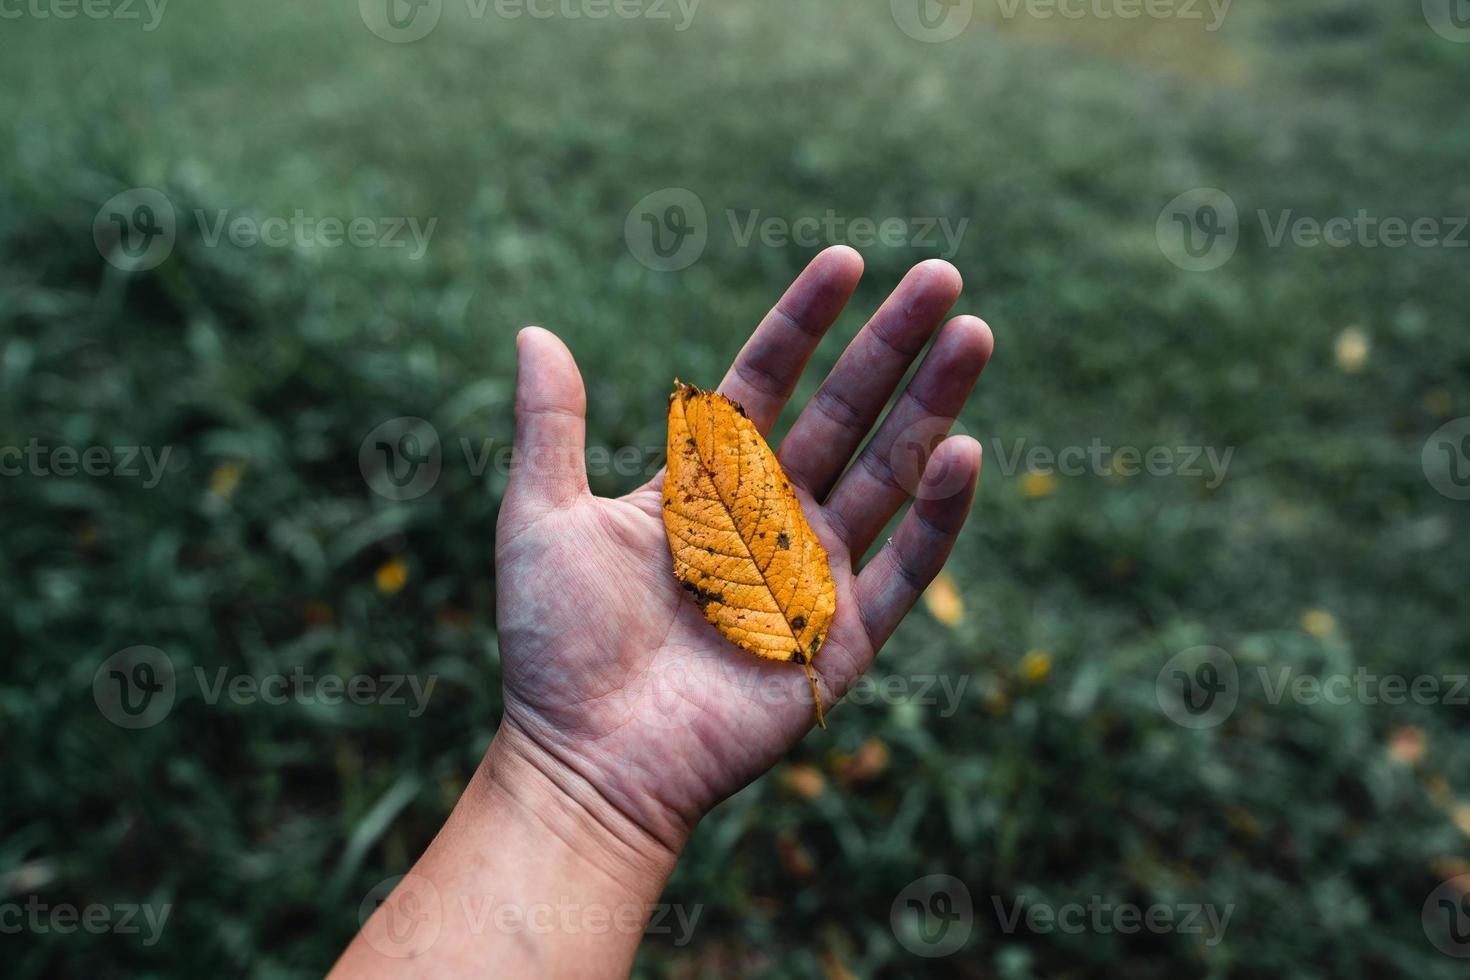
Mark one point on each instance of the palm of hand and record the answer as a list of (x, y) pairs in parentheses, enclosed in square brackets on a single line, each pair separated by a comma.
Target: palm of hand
[(608, 666)]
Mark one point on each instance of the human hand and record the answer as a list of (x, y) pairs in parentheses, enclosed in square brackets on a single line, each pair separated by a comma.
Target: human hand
[(627, 715), (614, 681)]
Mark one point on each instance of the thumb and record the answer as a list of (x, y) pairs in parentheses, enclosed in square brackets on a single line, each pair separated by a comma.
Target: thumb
[(547, 467)]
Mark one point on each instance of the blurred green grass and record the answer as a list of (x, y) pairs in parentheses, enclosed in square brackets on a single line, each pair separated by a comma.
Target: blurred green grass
[(529, 141)]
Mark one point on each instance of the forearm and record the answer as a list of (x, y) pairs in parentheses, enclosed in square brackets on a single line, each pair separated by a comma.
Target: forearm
[(532, 875)]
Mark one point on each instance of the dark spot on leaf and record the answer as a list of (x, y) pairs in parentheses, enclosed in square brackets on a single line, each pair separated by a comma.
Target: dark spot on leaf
[(797, 657), (782, 541), (703, 596), (799, 623)]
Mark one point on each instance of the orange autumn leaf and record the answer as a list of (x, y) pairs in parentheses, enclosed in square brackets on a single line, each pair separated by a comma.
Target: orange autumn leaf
[(741, 545)]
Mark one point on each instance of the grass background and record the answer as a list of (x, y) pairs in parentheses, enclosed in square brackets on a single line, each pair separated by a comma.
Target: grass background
[(1325, 549)]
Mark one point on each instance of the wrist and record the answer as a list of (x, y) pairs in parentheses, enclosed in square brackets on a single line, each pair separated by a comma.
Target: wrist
[(522, 783)]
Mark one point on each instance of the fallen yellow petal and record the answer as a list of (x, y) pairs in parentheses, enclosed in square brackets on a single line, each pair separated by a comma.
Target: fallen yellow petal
[(943, 600), (392, 576), (1036, 666)]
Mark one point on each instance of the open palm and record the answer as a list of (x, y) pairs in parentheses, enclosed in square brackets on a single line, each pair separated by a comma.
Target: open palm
[(612, 675)]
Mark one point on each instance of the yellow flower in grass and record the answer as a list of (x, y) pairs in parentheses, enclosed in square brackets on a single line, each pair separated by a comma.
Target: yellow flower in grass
[(392, 576), (1034, 484), (1351, 350), (1036, 666), (225, 478), (1319, 622)]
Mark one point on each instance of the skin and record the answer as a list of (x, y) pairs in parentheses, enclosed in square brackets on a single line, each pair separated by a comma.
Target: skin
[(627, 715)]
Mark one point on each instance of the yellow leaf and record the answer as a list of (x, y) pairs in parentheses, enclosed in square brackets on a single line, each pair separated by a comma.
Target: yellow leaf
[(741, 545), (392, 576), (1036, 666), (225, 478), (803, 780), (866, 764), (942, 598)]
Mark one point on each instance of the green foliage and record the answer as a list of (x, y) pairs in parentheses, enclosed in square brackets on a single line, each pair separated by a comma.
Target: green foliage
[(264, 369)]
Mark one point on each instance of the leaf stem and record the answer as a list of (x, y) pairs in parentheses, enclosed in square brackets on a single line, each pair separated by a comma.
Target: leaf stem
[(811, 675)]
